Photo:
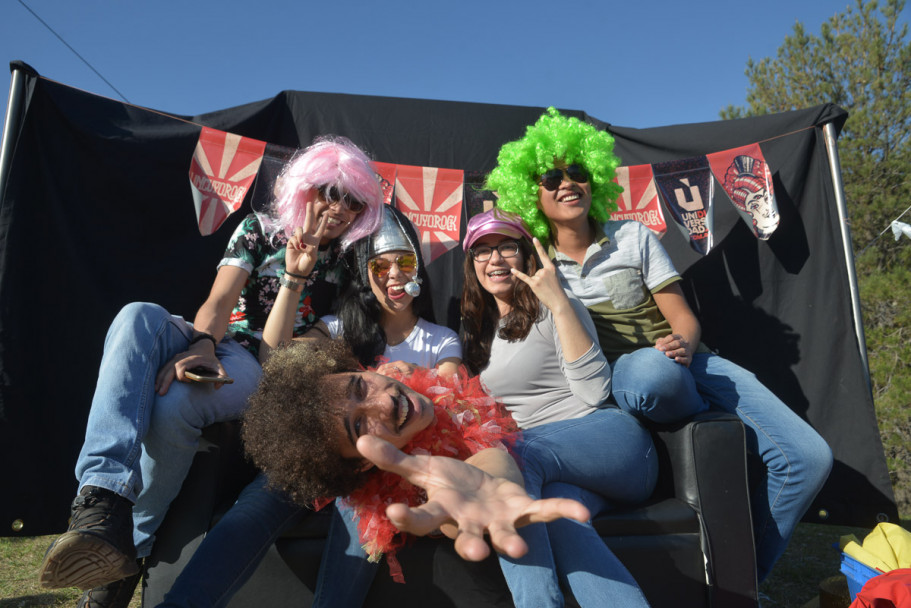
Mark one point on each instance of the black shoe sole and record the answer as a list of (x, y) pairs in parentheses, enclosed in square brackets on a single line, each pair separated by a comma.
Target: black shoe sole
[(79, 559)]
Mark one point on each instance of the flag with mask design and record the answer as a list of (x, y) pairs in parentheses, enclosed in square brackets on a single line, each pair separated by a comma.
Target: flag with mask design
[(744, 175)]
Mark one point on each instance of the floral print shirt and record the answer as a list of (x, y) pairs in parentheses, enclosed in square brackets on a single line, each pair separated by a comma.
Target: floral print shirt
[(263, 257)]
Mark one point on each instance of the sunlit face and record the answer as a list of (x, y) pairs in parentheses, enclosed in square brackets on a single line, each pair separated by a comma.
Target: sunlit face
[(339, 217), (495, 274), (569, 203), (376, 405), (765, 218), (390, 289)]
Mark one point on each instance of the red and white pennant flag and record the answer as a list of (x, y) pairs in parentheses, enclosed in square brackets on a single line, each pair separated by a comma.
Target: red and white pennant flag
[(432, 200), (639, 199), (224, 166)]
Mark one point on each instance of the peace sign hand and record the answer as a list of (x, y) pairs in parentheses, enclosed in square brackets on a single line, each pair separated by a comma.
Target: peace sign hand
[(303, 247), (545, 283)]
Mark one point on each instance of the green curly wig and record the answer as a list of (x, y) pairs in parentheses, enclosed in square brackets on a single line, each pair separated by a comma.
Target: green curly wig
[(553, 137)]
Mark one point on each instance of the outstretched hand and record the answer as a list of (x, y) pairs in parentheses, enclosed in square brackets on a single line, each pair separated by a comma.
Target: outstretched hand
[(544, 283), (303, 246), (465, 496)]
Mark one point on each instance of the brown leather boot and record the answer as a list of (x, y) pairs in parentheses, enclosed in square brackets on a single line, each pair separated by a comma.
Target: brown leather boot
[(97, 548)]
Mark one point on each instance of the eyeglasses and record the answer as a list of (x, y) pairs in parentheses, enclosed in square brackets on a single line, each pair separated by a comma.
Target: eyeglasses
[(380, 267), (552, 179), (507, 249), (332, 195)]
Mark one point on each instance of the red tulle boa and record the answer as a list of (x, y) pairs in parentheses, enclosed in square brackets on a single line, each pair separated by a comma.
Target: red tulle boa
[(468, 420)]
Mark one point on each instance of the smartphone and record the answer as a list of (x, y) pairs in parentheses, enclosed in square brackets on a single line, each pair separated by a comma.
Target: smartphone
[(201, 374)]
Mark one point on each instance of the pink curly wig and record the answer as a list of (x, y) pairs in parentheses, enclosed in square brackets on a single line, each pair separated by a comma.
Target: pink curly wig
[(329, 161)]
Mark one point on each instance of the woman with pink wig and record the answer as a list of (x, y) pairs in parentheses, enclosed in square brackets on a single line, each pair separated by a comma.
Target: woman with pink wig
[(143, 427)]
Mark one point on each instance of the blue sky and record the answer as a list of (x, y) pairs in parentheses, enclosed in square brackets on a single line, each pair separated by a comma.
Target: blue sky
[(635, 64)]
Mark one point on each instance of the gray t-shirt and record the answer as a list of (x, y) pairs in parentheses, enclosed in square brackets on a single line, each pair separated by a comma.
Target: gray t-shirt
[(537, 384), (622, 269)]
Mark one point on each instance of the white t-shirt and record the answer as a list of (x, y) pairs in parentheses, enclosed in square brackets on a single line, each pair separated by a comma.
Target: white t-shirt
[(426, 345)]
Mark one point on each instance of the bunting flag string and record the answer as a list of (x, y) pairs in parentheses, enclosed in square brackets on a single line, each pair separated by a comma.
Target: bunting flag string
[(224, 165), (898, 228)]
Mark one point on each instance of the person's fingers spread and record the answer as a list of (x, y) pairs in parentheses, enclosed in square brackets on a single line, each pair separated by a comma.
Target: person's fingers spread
[(389, 458), (542, 253), (471, 546), (549, 509), (505, 540), (416, 520), (381, 453), (522, 276), (321, 227), (309, 212)]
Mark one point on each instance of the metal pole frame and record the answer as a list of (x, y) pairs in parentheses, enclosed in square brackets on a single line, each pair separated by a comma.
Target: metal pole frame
[(11, 125), (828, 130)]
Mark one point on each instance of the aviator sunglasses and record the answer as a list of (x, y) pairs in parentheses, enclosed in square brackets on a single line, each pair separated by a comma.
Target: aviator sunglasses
[(552, 179), (380, 267), (332, 195)]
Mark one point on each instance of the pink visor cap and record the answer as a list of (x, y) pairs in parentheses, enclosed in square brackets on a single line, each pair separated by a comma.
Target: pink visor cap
[(495, 221)]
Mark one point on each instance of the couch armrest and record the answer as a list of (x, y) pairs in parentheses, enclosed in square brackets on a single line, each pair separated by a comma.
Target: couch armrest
[(703, 463)]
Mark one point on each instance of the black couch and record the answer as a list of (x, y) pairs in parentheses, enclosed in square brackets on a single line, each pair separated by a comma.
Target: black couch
[(690, 545)]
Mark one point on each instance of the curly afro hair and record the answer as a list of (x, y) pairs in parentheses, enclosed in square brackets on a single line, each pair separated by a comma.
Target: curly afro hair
[(290, 429), (554, 137)]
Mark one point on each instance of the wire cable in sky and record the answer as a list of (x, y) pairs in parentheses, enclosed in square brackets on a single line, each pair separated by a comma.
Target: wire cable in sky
[(883, 232), (59, 37)]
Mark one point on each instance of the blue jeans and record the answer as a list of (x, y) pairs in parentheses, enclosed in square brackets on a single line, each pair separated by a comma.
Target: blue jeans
[(139, 444), (647, 383), (232, 550), (602, 459), (797, 460), (345, 574)]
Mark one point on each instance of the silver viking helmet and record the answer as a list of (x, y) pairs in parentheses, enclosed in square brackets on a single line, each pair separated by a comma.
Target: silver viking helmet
[(392, 236)]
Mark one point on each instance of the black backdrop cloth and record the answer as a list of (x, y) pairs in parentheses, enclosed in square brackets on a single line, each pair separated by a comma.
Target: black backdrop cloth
[(97, 212)]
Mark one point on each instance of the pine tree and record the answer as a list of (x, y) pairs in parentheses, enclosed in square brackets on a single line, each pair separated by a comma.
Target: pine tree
[(861, 60)]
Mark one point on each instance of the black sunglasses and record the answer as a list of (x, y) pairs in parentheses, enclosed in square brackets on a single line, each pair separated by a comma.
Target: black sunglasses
[(332, 195), (552, 179)]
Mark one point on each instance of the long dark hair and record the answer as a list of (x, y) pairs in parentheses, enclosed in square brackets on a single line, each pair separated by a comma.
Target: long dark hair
[(359, 310), (481, 317)]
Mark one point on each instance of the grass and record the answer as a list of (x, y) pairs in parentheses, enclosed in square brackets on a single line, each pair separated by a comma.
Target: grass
[(20, 559), (809, 560)]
